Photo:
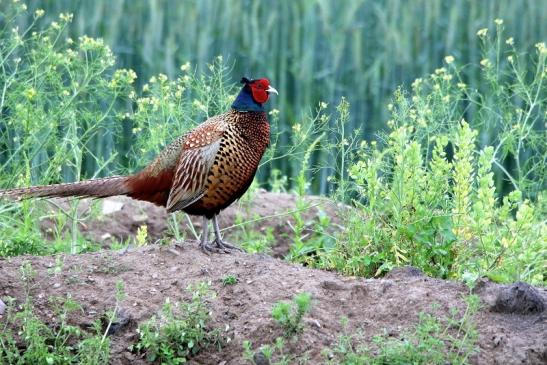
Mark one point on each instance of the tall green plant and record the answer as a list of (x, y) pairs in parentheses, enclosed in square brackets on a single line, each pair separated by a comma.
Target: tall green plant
[(426, 195), (59, 107), (312, 50)]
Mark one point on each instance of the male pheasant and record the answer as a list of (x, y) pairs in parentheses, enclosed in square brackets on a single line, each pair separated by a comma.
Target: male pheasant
[(201, 172)]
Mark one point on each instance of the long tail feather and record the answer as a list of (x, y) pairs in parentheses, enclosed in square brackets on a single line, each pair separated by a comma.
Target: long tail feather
[(98, 188)]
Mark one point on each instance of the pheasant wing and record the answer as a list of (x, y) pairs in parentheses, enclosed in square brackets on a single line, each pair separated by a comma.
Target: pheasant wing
[(198, 154)]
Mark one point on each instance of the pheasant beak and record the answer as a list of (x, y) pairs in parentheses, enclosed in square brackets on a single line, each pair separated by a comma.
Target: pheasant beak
[(272, 90)]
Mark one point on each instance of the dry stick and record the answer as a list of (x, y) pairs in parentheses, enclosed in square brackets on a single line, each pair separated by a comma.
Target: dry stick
[(271, 216)]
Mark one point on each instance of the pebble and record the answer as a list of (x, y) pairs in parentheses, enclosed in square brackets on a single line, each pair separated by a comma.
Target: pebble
[(122, 319), (260, 359), (57, 285), (111, 206), (105, 237), (2, 307), (138, 218)]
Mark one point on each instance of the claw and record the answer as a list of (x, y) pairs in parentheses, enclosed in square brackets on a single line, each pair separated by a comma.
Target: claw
[(227, 247), (206, 248), (217, 245)]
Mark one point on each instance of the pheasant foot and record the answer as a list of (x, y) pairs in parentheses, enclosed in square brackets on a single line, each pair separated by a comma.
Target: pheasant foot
[(225, 246), (209, 247)]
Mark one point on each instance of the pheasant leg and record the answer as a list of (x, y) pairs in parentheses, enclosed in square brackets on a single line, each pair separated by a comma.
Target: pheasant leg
[(221, 244), (203, 244)]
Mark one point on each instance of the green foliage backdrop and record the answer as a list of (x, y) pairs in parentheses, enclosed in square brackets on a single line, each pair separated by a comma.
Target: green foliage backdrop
[(312, 50)]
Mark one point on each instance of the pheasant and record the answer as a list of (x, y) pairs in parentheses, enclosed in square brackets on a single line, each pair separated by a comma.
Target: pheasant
[(200, 173)]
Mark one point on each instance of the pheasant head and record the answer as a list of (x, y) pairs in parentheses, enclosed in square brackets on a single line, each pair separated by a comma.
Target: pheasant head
[(253, 94)]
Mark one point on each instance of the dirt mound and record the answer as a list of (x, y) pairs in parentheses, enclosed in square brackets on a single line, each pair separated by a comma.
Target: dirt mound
[(153, 273), (118, 218)]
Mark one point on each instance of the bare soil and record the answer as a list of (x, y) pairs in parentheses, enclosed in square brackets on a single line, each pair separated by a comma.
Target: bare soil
[(117, 219), (512, 322)]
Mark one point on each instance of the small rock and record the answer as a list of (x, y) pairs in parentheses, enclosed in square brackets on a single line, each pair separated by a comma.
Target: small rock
[(260, 359), (404, 272), (57, 285), (519, 298), (332, 285), (111, 206), (316, 323), (2, 307), (139, 218), (122, 319), (105, 237)]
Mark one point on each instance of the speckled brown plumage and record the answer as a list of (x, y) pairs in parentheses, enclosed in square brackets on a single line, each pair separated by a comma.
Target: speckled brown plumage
[(208, 168), (200, 173)]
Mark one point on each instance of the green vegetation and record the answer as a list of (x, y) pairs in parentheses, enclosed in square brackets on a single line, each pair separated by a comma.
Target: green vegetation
[(289, 314), (275, 354), (433, 341), (446, 174), (180, 331), (428, 192), (26, 339), (315, 50), (425, 193), (229, 280)]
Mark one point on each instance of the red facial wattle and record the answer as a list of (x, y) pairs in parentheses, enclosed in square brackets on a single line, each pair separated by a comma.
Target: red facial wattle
[(259, 90)]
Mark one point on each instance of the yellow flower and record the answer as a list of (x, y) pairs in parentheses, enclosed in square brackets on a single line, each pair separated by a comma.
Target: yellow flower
[(486, 63), (461, 85), (162, 77), (30, 93), (541, 47), (185, 67), (498, 21), (440, 71), (482, 32), (449, 59), (66, 17), (510, 41), (39, 13), (510, 59), (417, 83)]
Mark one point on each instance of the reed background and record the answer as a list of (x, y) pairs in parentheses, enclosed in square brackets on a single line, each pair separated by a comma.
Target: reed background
[(312, 50)]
